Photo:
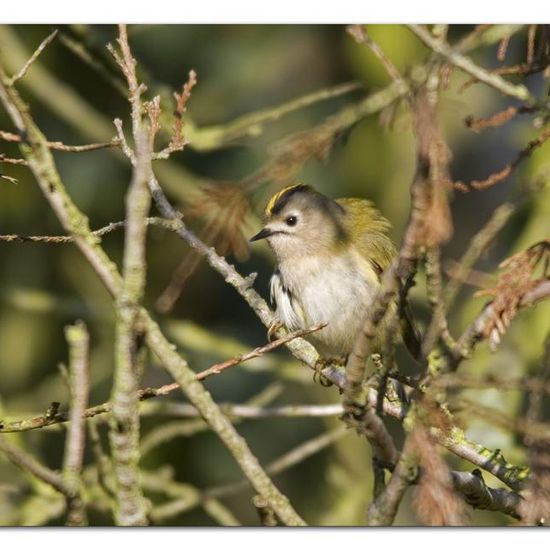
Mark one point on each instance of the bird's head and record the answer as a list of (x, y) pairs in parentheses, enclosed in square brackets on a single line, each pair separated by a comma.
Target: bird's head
[(299, 221)]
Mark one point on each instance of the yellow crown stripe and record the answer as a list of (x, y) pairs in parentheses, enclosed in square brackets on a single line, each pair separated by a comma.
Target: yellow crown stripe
[(273, 201)]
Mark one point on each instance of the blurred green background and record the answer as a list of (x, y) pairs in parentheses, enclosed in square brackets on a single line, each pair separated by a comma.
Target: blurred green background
[(241, 69)]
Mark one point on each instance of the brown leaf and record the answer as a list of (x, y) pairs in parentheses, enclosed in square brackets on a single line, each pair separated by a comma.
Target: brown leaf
[(432, 182), (518, 278), (435, 501)]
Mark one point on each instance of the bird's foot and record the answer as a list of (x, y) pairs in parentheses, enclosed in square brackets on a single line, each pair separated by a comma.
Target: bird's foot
[(273, 329), (318, 376)]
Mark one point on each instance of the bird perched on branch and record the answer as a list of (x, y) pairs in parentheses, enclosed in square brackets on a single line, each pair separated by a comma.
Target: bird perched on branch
[(330, 258)]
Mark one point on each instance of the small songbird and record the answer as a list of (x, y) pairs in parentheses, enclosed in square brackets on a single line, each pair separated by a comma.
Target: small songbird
[(330, 258)]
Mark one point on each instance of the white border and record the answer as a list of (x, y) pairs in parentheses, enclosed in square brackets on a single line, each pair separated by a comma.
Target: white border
[(271, 538), (274, 11)]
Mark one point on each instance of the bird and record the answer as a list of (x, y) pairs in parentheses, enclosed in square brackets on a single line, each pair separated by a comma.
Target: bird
[(330, 257)]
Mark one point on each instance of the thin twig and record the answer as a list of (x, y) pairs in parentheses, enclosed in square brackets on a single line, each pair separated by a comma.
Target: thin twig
[(265, 513), (284, 462), (477, 125), (360, 34), (23, 71), (45, 420), (216, 369), (65, 239), (383, 509), (475, 331), (78, 340), (438, 327), (177, 141), (170, 430), (505, 172), (478, 245), (8, 160), (288, 460), (236, 410), (60, 146), (518, 91), (29, 464)]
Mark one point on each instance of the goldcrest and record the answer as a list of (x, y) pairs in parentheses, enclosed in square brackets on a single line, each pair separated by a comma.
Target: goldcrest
[(330, 258)]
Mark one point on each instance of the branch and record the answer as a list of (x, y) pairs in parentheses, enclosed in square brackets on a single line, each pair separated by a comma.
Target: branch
[(284, 462), (360, 34), (124, 422), (478, 245), (28, 464), (505, 172), (476, 330), (383, 508), (23, 71), (76, 224), (288, 460), (169, 430), (479, 495), (235, 410), (45, 420), (65, 239), (78, 339), (59, 146), (467, 65)]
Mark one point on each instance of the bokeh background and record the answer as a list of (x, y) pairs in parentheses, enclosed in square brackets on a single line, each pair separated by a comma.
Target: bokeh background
[(241, 69)]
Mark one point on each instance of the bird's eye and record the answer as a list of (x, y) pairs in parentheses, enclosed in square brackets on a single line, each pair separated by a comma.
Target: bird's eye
[(291, 220)]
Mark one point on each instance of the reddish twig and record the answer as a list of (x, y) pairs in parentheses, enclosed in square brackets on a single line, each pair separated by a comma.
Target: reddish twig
[(503, 173), (503, 48), (477, 125), (177, 141), (147, 393)]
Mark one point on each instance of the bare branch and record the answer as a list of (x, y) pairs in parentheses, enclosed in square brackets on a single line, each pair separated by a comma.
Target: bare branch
[(59, 146), (479, 243), (8, 160), (45, 420), (467, 65), (383, 508), (23, 71), (360, 34), (65, 239), (27, 463), (505, 172), (479, 495), (78, 339), (124, 422)]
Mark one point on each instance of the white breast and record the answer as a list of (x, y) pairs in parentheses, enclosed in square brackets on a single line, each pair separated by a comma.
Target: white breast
[(337, 292)]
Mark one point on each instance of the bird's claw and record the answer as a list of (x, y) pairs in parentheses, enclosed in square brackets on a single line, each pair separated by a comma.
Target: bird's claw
[(272, 330), (318, 376)]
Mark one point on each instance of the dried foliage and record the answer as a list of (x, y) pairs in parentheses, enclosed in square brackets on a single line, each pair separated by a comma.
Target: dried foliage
[(432, 182), (223, 209), (522, 273), (435, 500)]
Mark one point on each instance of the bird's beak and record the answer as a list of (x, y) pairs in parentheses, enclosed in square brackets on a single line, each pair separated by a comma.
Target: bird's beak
[(263, 234)]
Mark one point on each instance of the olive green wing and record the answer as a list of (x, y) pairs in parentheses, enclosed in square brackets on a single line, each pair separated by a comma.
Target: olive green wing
[(368, 230)]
